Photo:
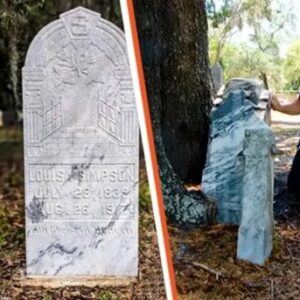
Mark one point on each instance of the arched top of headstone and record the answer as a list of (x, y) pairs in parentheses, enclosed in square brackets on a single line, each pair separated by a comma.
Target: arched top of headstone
[(81, 26), (77, 71)]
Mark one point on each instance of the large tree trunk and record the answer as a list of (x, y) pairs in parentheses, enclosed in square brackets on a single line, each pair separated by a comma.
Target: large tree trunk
[(174, 44)]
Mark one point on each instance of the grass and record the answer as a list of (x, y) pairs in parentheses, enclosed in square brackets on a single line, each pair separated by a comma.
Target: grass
[(11, 134), (11, 144), (4, 226), (106, 295)]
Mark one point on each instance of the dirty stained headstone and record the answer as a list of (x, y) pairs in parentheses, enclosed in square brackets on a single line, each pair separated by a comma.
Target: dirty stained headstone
[(241, 109), (81, 150), (217, 77), (238, 174)]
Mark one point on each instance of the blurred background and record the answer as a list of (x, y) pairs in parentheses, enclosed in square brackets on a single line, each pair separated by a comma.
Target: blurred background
[(256, 39)]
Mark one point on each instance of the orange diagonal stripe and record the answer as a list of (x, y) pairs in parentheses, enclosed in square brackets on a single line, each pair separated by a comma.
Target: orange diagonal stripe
[(152, 147)]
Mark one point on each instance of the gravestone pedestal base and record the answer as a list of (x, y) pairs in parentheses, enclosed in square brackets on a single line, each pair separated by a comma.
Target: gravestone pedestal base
[(58, 282)]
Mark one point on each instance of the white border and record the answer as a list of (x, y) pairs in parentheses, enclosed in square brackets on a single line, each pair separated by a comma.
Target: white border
[(146, 148)]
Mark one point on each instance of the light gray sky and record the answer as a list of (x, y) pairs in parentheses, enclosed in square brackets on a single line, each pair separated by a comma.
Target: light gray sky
[(295, 30), (287, 35)]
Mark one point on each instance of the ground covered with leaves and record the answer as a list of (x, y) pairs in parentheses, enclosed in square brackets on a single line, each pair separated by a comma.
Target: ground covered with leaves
[(205, 259), (149, 284)]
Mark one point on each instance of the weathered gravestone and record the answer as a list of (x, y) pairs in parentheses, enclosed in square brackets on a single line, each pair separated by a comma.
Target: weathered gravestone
[(217, 77), (239, 169), (81, 150), (256, 225)]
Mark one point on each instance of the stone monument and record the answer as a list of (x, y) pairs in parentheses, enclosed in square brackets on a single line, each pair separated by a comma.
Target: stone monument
[(217, 77), (81, 150), (256, 226), (239, 167)]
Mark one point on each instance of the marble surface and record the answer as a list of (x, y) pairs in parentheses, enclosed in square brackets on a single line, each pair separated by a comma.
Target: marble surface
[(81, 150), (256, 226), (223, 174), (251, 88), (239, 168)]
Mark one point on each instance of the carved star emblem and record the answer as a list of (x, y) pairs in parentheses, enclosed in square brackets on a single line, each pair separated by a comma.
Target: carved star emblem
[(74, 62)]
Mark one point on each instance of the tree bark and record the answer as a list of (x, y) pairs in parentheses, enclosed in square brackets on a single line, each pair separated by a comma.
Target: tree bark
[(174, 44)]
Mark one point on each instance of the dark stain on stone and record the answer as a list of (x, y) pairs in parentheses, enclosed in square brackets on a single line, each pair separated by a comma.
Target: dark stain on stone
[(35, 210), (99, 233), (77, 170), (63, 266), (53, 248)]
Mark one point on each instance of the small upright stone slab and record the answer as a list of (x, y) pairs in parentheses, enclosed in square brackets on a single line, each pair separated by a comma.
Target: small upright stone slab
[(81, 150), (256, 227), (217, 76)]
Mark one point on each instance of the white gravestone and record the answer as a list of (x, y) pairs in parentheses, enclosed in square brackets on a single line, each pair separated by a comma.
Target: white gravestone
[(81, 150)]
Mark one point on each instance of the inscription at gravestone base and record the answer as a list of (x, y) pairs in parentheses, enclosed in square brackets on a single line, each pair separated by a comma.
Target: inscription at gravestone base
[(81, 150)]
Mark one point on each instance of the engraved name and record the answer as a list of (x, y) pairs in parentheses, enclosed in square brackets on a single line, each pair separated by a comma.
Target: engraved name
[(125, 174)]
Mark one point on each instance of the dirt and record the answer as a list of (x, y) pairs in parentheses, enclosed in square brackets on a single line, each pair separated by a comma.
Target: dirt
[(149, 283), (205, 259)]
